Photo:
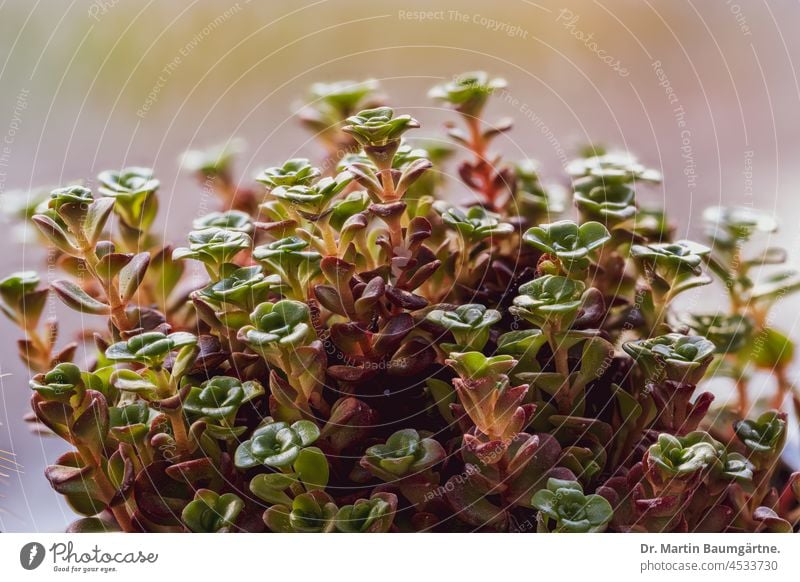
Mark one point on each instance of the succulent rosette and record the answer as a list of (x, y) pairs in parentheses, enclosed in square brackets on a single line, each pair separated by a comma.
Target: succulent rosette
[(220, 397), (549, 298), (404, 453), (680, 358), (567, 241), (276, 444), (150, 348), (211, 512), (469, 324), (728, 226), (467, 93), (563, 507), (475, 223), (294, 172)]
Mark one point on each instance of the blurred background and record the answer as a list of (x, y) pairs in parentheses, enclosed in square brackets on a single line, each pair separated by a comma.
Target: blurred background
[(706, 91)]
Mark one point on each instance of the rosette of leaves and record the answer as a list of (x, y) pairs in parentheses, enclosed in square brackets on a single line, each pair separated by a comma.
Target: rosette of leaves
[(571, 244), (131, 422), (312, 512), (214, 247), (284, 325), (604, 186), (467, 93), (21, 299), (220, 397), (213, 162), (331, 104), (672, 267), (549, 300), (469, 324), (373, 515), (133, 190), (282, 334), (151, 348), (73, 220), (763, 437), (729, 226), (244, 288), (379, 132), (729, 333), (404, 453), (612, 168), (564, 508), (211, 512), (61, 383), (311, 200), (276, 444), (289, 258), (674, 463), (535, 203), (234, 220), (475, 223), (676, 357), (486, 395), (294, 172)]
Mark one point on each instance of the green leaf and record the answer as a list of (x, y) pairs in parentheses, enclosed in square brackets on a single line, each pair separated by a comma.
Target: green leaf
[(312, 468), (78, 299)]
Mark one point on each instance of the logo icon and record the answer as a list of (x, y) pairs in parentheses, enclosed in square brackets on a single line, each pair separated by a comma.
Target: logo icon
[(31, 555)]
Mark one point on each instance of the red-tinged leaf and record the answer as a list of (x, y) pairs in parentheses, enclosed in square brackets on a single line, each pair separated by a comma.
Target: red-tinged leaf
[(405, 299), (78, 299), (96, 218), (131, 276), (55, 234)]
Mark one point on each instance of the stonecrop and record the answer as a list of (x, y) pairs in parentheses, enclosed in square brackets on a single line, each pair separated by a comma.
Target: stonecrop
[(379, 347)]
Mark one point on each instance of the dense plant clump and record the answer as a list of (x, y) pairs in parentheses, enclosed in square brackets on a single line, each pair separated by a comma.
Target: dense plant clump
[(366, 346)]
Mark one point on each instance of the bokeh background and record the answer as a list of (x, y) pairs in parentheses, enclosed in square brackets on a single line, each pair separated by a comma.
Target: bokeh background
[(707, 91)]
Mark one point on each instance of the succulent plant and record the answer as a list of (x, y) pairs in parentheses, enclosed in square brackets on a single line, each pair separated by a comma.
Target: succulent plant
[(367, 352), (133, 190), (234, 220), (765, 436), (150, 348), (373, 515), (276, 444), (404, 453), (549, 298), (476, 223), (568, 242), (294, 172), (563, 507), (211, 512), (469, 324), (467, 93), (729, 226), (682, 358), (220, 397)]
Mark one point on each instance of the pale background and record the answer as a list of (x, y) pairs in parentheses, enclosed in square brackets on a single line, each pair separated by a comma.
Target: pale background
[(73, 76)]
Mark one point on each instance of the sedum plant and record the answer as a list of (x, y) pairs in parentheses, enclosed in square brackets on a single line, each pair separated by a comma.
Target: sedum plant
[(365, 346)]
